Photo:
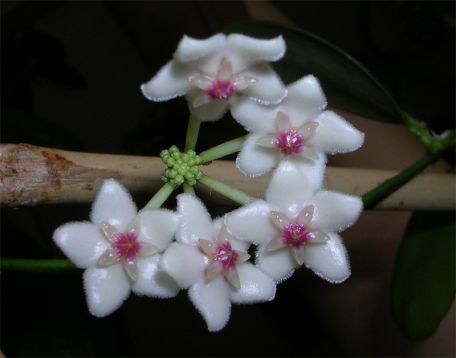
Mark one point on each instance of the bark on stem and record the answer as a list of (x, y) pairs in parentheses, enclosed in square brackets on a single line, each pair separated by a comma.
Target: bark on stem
[(36, 175)]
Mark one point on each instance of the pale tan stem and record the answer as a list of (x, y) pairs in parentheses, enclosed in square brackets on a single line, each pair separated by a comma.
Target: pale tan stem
[(36, 175)]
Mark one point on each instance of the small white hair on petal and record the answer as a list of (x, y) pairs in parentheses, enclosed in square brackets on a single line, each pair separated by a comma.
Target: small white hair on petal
[(329, 261), (190, 49), (212, 301), (306, 94), (335, 135), (114, 205), (254, 160), (106, 289), (171, 81), (256, 286), (335, 211), (245, 50), (82, 242)]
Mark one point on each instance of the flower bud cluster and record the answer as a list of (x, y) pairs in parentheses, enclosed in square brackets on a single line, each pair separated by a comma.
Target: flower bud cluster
[(181, 167)]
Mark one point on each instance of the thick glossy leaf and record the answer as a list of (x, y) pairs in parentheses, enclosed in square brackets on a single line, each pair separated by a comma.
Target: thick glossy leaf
[(347, 84), (424, 277)]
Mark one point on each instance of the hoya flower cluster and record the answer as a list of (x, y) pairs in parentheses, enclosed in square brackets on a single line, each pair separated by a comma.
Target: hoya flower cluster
[(157, 252)]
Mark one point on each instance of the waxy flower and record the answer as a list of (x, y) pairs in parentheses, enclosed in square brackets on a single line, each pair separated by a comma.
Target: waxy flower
[(296, 130), (295, 227), (214, 71), (212, 264), (119, 249)]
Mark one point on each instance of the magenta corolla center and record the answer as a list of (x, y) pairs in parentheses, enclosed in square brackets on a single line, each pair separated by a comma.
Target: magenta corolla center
[(127, 246)]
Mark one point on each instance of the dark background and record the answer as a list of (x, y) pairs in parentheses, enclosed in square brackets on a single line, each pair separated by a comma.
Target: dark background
[(70, 77)]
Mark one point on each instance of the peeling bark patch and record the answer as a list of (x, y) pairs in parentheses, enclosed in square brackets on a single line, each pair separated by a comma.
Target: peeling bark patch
[(28, 174)]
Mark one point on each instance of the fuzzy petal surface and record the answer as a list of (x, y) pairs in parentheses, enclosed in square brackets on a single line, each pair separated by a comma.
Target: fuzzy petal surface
[(212, 300), (305, 100), (288, 189), (158, 227), (82, 242), (184, 263), (252, 223), (106, 289), (312, 170), (113, 205), (330, 260), (256, 286), (190, 49), (245, 51), (335, 211), (335, 135), (254, 160), (255, 117), (152, 281), (171, 81), (269, 89), (195, 222), (279, 264)]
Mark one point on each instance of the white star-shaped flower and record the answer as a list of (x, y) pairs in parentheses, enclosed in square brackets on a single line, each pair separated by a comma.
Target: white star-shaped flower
[(120, 249), (296, 130), (214, 71), (295, 227), (212, 265)]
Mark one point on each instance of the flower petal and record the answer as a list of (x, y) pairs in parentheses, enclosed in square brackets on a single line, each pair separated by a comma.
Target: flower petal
[(312, 169), (279, 264), (251, 223), (288, 189), (269, 89), (152, 281), (255, 160), (212, 301), (195, 222), (256, 286), (235, 243), (158, 227), (255, 117), (106, 289), (190, 49), (245, 51), (335, 211), (171, 81), (329, 260), (184, 263), (114, 205), (305, 100), (206, 112), (82, 242), (335, 135)]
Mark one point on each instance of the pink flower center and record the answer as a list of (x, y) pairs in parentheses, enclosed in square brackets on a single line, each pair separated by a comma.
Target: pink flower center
[(289, 142), (222, 89), (295, 235), (226, 256), (127, 246)]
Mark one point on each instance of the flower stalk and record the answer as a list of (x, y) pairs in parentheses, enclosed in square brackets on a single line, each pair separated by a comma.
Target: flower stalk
[(192, 133), (234, 194), (160, 197), (222, 150)]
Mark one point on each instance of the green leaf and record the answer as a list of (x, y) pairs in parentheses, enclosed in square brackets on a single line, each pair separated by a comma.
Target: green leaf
[(347, 84), (423, 285)]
